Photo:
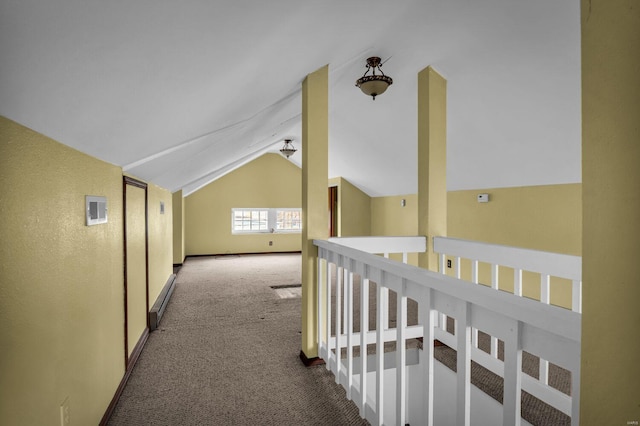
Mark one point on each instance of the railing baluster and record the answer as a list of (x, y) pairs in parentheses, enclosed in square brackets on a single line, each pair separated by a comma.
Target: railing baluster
[(576, 296), (349, 333), (336, 371), (544, 371), (545, 288), (512, 376), (575, 395), (364, 330), (517, 282), (442, 318), (426, 318), (463, 338), (384, 307), (319, 307), (345, 280), (380, 359), (495, 284), (545, 297), (474, 279), (328, 316), (495, 276), (401, 355), (474, 271)]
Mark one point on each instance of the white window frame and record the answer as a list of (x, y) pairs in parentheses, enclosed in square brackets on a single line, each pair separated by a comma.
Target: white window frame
[(272, 218)]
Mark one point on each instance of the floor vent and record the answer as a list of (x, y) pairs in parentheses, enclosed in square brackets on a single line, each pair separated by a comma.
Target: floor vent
[(288, 291)]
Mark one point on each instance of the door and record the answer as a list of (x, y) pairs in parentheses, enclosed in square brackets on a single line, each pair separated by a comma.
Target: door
[(136, 275), (333, 211)]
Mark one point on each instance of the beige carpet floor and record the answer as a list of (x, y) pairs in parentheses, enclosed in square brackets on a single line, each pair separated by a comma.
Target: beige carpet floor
[(226, 353)]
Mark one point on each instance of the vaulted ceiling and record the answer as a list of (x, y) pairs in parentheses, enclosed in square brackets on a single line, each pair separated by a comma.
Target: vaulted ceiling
[(182, 92)]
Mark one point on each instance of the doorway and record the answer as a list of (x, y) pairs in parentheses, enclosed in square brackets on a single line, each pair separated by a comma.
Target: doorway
[(136, 274), (333, 211)]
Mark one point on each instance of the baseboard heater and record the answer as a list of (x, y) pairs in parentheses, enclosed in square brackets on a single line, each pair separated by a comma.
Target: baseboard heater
[(161, 303)]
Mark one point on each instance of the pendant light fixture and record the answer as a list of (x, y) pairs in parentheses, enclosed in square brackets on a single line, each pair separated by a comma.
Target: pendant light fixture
[(288, 150), (374, 84)]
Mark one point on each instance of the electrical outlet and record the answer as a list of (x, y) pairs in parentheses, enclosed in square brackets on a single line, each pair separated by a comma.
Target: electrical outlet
[(270, 243), (64, 413), (448, 263)]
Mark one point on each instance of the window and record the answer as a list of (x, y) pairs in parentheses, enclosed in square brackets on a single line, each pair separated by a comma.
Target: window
[(259, 220), (288, 220), (250, 220)]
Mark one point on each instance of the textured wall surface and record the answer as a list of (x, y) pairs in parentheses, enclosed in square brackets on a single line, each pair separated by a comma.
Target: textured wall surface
[(354, 209), (269, 181), (61, 292), (611, 194), (160, 240)]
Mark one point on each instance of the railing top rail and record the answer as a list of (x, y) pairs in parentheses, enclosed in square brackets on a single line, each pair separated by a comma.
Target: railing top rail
[(556, 320), (554, 264), (384, 244)]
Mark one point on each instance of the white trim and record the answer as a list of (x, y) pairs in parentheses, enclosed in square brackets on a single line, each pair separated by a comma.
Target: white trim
[(554, 264), (379, 245)]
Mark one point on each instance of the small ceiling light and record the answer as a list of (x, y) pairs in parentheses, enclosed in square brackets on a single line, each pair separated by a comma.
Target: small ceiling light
[(374, 84), (288, 150)]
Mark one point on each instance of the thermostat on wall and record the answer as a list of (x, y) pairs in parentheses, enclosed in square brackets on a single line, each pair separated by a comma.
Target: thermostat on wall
[(483, 198)]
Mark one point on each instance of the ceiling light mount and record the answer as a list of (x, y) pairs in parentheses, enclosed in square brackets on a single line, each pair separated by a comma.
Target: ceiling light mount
[(288, 150), (374, 84)]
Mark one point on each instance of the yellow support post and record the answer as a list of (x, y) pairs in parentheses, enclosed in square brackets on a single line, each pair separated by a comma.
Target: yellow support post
[(315, 215), (432, 161)]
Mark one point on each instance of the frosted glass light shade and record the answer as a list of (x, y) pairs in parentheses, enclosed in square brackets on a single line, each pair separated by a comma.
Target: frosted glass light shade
[(374, 85)]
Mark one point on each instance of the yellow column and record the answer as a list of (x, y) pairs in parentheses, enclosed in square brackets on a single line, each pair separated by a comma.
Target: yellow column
[(610, 371), (315, 215), (432, 161)]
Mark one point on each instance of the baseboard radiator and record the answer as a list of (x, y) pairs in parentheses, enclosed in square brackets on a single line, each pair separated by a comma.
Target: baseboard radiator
[(155, 315)]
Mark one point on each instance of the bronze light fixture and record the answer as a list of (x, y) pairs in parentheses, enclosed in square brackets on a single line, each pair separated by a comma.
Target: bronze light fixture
[(288, 150), (374, 84)]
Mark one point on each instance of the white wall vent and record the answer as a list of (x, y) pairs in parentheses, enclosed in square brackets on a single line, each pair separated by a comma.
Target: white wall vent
[(96, 210)]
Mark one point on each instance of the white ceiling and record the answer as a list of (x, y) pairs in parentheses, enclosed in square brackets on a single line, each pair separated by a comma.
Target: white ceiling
[(180, 93)]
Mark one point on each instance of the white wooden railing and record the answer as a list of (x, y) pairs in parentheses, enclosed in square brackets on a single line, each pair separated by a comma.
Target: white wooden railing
[(546, 264), (551, 332)]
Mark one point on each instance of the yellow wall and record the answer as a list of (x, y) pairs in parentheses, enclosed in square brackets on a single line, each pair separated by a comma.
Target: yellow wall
[(160, 240), (178, 228), (610, 390), (269, 181), (61, 292), (546, 217), (61, 295), (354, 209), (389, 218)]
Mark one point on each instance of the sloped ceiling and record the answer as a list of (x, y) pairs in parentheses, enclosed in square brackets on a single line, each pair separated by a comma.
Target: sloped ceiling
[(180, 93)]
